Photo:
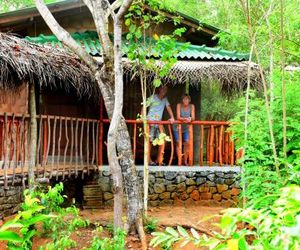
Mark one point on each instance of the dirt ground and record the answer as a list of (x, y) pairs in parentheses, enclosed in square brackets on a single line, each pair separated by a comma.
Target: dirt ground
[(191, 216)]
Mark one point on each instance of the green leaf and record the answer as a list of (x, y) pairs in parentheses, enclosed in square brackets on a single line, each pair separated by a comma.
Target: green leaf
[(182, 232), (172, 231), (156, 83), (127, 22), (10, 236), (195, 234)]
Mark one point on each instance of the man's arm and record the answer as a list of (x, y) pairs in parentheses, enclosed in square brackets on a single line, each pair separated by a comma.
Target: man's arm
[(169, 109)]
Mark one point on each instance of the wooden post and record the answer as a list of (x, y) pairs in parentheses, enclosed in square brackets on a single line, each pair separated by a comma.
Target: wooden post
[(220, 145), (172, 144), (33, 135), (201, 144), (100, 143), (191, 145), (179, 145), (211, 146)]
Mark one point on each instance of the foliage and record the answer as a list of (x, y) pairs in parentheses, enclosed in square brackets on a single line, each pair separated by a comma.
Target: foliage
[(24, 221), (44, 207), (117, 242), (150, 224), (262, 182), (214, 105), (11, 5), (274, 228)]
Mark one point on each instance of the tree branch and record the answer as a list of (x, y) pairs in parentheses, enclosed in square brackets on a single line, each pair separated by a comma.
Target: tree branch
[(64, 36), (123, 9)]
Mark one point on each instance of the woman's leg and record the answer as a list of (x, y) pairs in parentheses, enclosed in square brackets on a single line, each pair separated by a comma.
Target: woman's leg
[(161, 149)]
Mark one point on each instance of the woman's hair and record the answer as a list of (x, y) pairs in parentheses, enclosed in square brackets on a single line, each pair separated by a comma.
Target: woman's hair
[(186, 95)]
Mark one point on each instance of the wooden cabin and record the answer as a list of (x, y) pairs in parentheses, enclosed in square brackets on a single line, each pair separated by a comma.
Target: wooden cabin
[(70, 117)]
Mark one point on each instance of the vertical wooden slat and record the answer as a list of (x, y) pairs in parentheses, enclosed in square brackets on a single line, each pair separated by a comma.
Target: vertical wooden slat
[(226, 148), (191, 145), (220, 148), (172, 144), (201, 144), (58, 146), (134, 141), (88, 146), (5, 151), (66, 146), (12, 143), (93, 142), (207, 144), (231, 148), (48, 143), (22, 141), (14, 157), (100, 139), (76, 147), (81, 147), (72, 145), (53, 145), (97, 143), (216, 151), (179, 145), (38, 150), (211, 146), (45, 141)]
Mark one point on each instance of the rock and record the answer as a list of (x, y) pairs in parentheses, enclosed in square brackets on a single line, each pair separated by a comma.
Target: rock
[(213, 190), (210, 184), (230, 176), (160, 180), (211, 177), (106, 173), (190, 189), (235, 191), (203, 189), (153, 203), (174, 195), (190, 174), (204, 173), (180, 179), (219, 174), (229, 181), (151, 178), (107, 196), (217, 197), (105, 186), (195, 195), (189, 202), (159, 188), (200, 180), (171, 187), (184, 196), (226, 194), (159, 174), (165, 195), (170, 175), (213, 203), (166, 202), (222, 187), (181, 187), (219, 180), (190, 182), (205, 196), (227, 203), (153, 197)]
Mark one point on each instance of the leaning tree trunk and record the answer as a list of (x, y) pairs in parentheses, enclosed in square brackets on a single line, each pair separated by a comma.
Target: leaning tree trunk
[(33, 134)]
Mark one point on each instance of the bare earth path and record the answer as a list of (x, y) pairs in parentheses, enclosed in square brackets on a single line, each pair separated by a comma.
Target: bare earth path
[(166, 216)]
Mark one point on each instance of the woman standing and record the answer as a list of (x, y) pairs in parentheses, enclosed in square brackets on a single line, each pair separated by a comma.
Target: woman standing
[(185, 113)]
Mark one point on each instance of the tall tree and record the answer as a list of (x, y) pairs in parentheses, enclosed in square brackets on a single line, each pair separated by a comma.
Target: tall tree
[(109, 76)]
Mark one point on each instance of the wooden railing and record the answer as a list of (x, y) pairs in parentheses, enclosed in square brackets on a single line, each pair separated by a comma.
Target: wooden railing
[(69, 145), (210, 142)]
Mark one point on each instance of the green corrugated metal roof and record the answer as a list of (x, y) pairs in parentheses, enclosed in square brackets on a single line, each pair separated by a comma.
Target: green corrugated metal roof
[(89, 40)]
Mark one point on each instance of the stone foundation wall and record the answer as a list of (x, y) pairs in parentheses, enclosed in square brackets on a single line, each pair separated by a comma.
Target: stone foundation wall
[(208, 186), (10, 200)]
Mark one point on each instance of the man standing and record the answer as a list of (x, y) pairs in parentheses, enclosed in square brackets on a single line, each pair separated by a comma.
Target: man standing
[(158, 103)]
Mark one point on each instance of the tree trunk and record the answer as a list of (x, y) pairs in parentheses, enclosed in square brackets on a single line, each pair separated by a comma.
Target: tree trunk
[(33, 135)]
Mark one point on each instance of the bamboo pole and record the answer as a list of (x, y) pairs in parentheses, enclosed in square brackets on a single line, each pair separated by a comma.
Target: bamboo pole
[(191, 145), (211, 145), (179, 145), (172, 144), (221, 135), (33, 135), (201, 144)]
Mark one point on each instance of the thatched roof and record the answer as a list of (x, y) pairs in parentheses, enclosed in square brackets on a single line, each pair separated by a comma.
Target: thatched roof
[(231, 75), (57, 68), (48, 67)]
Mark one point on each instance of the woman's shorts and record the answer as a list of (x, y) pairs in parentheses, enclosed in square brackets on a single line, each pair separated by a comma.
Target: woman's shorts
[(185, 135)]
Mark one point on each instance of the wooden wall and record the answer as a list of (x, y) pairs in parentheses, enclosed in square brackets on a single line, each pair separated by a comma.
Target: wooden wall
[(14, 100)]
